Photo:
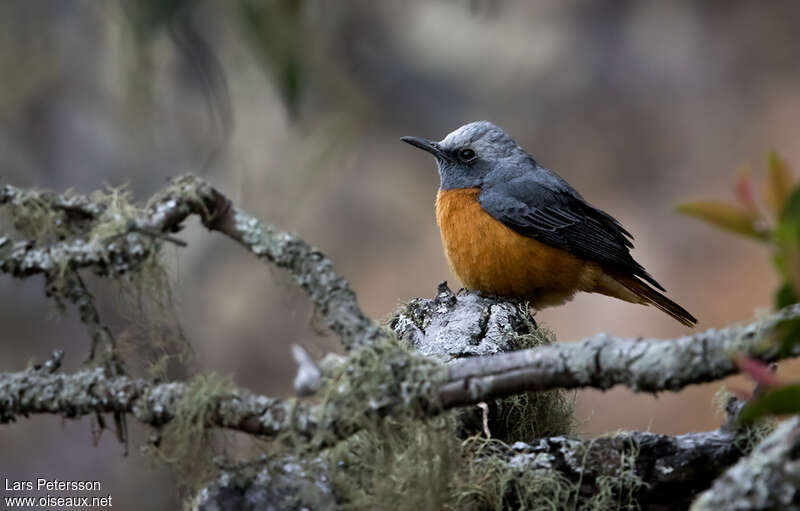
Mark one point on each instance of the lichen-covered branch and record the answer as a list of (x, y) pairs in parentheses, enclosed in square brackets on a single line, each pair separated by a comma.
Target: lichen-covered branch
[(467, 349), (768, 478), (458, 328), (602, 361), (376, 381), (656, 471), (646, 467), (73, 204), (92, 391), (134, 238), (310, 268), (627, 470)]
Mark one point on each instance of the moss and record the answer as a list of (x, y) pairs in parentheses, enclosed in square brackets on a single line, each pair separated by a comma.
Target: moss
[(487, 480), (747, 436), (372, 380), (399, 463), (404, 461), (524, 417), (531, 415), (145, 299), (418, 465), (618, 488), (100, 226), (407, 462), (32, 215), (185, 443)]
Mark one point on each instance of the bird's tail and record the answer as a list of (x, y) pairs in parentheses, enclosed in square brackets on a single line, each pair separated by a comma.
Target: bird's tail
[(652, 297)]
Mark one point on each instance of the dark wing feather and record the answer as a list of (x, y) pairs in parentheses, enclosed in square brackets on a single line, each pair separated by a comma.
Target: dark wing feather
[(553, 213)]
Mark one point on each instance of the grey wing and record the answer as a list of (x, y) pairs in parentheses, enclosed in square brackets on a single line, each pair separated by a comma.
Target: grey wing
[(555, 214)]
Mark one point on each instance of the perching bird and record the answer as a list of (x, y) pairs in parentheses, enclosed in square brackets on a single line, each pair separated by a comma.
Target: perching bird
[(512, 228)]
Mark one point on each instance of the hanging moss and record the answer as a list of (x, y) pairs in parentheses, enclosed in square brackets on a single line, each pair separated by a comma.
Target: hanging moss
[(407, 462), (525, 417), (371, 382), (185, 443), (398, 463), (102, 225), (487, 479)]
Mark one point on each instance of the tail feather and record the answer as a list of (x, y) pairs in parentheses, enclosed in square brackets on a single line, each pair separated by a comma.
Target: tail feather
[(653, 297)]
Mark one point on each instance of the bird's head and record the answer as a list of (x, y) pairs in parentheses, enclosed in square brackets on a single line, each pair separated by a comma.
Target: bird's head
[(469, 154)]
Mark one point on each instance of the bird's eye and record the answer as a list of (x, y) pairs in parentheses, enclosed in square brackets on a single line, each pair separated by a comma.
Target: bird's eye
[(466, 155)]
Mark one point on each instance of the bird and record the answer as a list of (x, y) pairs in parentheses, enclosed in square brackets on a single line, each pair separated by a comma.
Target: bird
[(512, 228)]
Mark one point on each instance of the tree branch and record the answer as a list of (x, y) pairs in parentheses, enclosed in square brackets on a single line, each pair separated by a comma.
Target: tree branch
[(602, 361), (769, 478), (454, 328), (165, 212), (310, 268), (656, 472), (451, 329), (91, 391)]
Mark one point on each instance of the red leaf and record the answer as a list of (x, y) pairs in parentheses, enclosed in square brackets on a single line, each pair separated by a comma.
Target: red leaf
[(744, 192), (757, 370)]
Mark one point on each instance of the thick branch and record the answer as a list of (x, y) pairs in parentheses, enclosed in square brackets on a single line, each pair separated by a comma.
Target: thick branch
[(670, 365), (657, 467), (769, 478), (657, 472), (662, 472), (602, 361)]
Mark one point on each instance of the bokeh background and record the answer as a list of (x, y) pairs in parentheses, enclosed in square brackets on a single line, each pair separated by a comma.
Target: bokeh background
[(294, 109)]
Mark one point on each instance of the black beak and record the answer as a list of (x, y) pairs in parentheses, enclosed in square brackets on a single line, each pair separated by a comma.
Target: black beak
[(426, 145)]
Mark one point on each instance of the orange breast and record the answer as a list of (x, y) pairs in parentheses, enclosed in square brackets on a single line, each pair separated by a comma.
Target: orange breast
[(488, 256)]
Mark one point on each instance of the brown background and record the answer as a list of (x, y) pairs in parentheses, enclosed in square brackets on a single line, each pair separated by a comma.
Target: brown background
[(637, 104)]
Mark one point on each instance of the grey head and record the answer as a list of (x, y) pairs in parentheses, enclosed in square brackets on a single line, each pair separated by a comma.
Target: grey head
[(473, 153)]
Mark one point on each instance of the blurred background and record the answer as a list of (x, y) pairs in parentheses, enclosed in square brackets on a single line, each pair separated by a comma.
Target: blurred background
[(294, 109)]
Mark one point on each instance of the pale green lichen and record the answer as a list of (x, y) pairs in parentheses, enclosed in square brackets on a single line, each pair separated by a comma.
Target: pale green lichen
[(34, 214), (99, 231), (185, 443), (408, 462), (618, 488), (487, 479), (524, 417), (747, 436)]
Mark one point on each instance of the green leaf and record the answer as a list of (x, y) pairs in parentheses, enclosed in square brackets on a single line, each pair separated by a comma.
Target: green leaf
[(725, 216), (791, 209), (788, 335), (779, 184), (785, 296), (783, 400), (786, 236)]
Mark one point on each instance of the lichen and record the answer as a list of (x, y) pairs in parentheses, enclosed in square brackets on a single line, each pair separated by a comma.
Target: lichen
[(531, 415), (618, 487), (488, 480), (185, 443), (374, 380), (33, 215), (63, 233), (407, 461), (749, 435)]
